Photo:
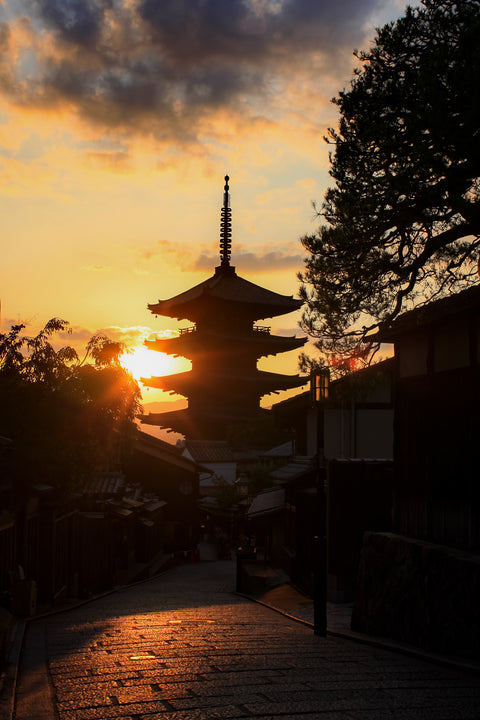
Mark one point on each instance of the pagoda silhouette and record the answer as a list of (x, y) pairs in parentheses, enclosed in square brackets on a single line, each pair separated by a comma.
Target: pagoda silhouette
[(224, 386)]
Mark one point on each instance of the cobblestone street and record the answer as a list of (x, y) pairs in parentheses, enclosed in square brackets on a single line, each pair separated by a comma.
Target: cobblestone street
[(184, 646)]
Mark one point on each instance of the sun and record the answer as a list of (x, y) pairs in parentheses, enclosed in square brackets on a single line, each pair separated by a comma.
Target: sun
[(142, 362)]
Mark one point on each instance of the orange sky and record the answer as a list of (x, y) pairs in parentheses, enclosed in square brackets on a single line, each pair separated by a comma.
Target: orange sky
[(118, 122)]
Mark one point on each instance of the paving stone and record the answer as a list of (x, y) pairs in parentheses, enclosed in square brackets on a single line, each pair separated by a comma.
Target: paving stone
[(183, 646)]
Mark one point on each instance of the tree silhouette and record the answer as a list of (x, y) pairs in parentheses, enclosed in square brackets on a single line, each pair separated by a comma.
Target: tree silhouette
[(403, 218), (67, 417)]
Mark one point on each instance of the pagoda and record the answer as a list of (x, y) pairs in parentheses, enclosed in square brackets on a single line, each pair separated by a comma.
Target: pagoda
[(224, 386)]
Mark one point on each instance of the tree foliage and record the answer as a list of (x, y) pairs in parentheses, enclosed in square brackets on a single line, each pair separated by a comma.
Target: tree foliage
[(67, 417), (401, 225)]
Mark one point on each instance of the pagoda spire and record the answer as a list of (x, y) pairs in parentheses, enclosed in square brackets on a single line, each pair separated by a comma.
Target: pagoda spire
[(224, 386), (226, 229)]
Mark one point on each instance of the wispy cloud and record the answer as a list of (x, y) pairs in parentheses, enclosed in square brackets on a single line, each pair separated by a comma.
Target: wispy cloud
[(134, 335), (130, 336), (253, 258), (258, 261)]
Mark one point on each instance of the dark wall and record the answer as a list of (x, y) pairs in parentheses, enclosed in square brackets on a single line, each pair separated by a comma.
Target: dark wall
[(437, 426), (359, 498), (419, 593)]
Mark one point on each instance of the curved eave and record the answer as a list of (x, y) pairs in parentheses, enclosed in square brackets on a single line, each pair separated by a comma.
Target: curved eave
[(273, 382), (188, 423), (189, 344), (170, 383), (226, 288), (259, 382), (179, 421), (193, 310)]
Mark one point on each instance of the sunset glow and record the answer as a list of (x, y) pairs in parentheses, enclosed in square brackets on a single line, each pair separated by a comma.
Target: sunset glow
[(118, 122), (141, 362)]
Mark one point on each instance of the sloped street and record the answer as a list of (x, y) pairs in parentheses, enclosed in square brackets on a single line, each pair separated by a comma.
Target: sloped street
[(185, 646)]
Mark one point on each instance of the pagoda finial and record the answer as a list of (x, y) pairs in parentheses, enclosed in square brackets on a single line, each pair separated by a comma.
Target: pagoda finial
[(226, 228)]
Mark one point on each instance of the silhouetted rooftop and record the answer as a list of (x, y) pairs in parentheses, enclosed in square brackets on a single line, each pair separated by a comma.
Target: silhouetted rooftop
[(190, 423), (263, 343), (226, 287), (267, 502), (210, 451), (258, 381), (430, 314)]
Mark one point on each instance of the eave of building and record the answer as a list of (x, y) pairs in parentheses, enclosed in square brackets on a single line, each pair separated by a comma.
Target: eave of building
[(259, 381), (162, 450), (188, 423), (301, 402), (226, 289), (431, 314), (210, 451), (297, 468), (259, 343), (268, 502)]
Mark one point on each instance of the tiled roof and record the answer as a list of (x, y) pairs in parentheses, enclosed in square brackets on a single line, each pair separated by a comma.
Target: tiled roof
[(295, 469), (268, 502), (262, 343), (230, 288), (106, 483), (152, 506), (430, 314), (210, 451), (300, 400), (158, 443), (164, 451), (257, 381), (280, 451)]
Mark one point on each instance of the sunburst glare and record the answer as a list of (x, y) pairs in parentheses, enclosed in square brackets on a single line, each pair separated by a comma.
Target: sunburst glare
[(142, 362)]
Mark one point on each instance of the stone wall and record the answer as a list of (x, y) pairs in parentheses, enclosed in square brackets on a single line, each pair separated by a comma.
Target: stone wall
[(359, 498), (419, 593)]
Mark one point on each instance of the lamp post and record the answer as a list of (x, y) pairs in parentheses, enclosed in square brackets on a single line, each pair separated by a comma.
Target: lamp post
[(319, 385)]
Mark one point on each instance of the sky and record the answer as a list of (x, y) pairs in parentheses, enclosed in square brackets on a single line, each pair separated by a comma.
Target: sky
[(118, 122)]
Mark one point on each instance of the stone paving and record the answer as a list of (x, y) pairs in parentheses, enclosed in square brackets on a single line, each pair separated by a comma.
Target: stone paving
[(184, 646)]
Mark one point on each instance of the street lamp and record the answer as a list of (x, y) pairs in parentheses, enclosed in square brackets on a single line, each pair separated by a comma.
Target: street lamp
[(319, 385)]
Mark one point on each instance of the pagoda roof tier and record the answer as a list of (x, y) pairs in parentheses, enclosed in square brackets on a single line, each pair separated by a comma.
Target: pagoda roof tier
[(195, 425), (259, 342), (181, 421), (258, 382), (226, 290)]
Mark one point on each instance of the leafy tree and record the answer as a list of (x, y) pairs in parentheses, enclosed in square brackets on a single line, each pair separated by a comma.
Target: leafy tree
[(403, 218), (226, 494), (67, 417), (259, 476), (259, 432)]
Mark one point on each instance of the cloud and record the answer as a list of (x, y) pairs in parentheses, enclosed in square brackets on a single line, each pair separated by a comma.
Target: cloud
[(77, 336), (261, 261), (134, 334), (168, 254), (257, 259), (114, 159), (164, 69), (76, 21), (252, 33), (131, 336)]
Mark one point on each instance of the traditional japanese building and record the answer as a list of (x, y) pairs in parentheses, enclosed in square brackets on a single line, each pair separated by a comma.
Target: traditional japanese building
[(224, 386)]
